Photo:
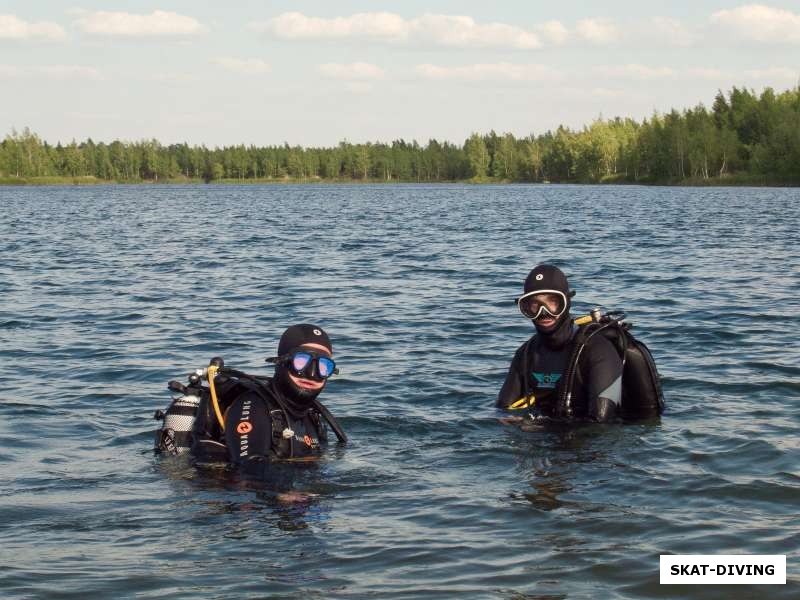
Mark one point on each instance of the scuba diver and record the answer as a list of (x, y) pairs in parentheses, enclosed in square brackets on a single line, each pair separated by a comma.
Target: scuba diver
[(537, 372), (246, 419)]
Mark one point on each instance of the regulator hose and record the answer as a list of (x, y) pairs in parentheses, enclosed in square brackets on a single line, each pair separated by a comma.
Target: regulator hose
[(212, 373)]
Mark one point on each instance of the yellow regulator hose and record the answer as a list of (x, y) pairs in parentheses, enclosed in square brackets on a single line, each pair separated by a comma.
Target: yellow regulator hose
[(212, 373)]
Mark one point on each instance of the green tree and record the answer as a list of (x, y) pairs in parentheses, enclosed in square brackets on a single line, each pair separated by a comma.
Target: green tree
[(477, 155), (503, 165)]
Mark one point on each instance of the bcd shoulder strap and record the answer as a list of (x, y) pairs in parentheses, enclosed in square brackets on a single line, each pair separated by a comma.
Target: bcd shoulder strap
[(326, 414), (319, 427), (280, 445), (579, 342)]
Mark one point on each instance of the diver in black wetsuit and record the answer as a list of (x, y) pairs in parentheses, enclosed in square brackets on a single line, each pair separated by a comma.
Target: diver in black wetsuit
[(537, 370), (278, 417)]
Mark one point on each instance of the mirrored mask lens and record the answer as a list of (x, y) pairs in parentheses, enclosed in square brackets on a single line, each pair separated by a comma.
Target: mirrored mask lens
[(326, 366), (300, 361)]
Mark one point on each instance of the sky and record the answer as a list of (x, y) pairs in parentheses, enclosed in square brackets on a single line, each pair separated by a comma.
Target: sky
[(314, 73)]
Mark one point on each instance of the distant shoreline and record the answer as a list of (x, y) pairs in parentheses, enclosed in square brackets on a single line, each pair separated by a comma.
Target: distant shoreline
[(744, 139), (725, 181)]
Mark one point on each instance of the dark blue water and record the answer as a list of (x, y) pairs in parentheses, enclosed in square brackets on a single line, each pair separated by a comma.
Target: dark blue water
[(109, 292)]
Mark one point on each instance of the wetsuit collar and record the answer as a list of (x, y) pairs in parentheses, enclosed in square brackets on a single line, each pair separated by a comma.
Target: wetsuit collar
[(559, 337), (289, 399)]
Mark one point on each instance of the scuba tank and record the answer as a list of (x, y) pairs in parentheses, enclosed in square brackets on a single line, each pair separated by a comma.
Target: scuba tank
[(642, 396), (175, 434)]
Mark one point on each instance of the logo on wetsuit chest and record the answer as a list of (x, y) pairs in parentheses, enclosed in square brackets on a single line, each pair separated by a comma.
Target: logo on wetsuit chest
[(546, 380)]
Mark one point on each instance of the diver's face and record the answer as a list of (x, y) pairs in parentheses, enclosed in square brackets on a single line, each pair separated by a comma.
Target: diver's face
[(552, 303), (310, 384)]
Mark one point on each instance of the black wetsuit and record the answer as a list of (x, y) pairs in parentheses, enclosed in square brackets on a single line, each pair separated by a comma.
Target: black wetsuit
[(538, 368), (259, 425), (260, 428)]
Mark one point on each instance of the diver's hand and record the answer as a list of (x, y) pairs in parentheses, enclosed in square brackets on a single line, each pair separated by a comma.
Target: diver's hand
[(605, 410)]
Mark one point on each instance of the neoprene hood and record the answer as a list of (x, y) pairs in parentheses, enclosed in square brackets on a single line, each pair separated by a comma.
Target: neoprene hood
[(547, 277), (297, 335)]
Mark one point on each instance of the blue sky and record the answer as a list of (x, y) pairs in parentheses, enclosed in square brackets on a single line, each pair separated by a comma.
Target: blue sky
[(315, 73)]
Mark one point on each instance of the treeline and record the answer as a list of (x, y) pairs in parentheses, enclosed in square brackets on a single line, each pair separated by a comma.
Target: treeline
[(743, 134)]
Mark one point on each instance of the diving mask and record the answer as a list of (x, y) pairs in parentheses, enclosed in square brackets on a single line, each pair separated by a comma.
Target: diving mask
[(542, 304), (307, 364)]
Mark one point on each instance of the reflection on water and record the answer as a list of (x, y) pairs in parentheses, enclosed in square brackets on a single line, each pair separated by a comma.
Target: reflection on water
[(518, 596), (546, 491), (546, 450), (280, 490)]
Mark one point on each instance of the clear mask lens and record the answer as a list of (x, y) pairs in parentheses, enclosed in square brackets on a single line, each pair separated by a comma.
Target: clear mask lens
[(542, 305)]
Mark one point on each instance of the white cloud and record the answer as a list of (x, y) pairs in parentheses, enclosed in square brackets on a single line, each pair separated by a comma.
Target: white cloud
[(295, 25), (636, 72), (760, 23), (359, 87), (598, 31), (69, 72), (782, 74), (653, 31), (489, 71), (173, 78), (352, 71), (667, 31), (14, 28), (58, 72), (602, 92), (464, 32), (248, 66), (706, 74), (443, 30), (158, 23), (94, 116), (461, 31), (553, 32)]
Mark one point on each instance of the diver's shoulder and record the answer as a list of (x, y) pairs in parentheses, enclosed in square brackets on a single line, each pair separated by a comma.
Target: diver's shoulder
[(521, 349), (600, 344)]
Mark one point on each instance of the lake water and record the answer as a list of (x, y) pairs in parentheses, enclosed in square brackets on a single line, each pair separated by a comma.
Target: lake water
[(109, 292)]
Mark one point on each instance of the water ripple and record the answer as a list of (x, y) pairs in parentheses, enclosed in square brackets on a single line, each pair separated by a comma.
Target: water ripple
[(111, 291)]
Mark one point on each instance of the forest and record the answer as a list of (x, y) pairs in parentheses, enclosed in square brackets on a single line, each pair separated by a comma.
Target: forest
[(744, 137)]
